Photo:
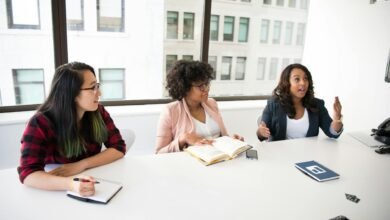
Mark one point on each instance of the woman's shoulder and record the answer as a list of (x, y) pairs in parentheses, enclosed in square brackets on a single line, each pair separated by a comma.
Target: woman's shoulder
[(39, 118)]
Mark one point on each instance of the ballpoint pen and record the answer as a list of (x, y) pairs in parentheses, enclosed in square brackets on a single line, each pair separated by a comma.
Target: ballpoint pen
[(84, 180)]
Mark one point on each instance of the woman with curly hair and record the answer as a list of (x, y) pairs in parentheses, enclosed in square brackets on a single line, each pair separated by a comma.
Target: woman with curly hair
[(294, 112), (193, 118)]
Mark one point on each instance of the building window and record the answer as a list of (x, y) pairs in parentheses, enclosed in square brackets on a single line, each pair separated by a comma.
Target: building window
[(264, 31), (277, 32), (112, 84), (240, 68), (20, 18), (213, 64), (288, 33), (292, 3), (29, 86), (304, 4), (285, 63), (273, 68), (226, 68), (245, 0), (188, 57), (280, 3), (172, 24), (75, 15), (244, 30), (110, 15), (267, 2), (188, 29), (261, 68), (300, 34), (214, 27), (170, 61), (228, 29)]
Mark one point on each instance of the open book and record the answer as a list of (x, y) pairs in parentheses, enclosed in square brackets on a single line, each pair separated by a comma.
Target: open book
[(223, 148), (104, 191), (317, 171)]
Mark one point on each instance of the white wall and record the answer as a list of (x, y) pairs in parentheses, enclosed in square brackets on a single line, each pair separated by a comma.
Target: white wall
[(347, 44), (239, 117)]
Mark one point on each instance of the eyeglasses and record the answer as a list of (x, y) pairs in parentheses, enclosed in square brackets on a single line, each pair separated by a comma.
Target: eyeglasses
[(94, 88), (203, 87)]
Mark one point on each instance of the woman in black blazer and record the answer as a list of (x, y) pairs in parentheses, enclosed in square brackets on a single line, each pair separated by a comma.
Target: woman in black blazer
[(293, 112)]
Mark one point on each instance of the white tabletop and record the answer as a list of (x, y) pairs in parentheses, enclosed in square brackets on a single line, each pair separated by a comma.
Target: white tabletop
[(176, 186)]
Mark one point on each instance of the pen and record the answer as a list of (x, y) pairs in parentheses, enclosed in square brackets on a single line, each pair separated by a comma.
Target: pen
[(83, 180)]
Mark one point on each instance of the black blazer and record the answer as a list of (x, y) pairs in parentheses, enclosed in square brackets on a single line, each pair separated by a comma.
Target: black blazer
[(274, 117)]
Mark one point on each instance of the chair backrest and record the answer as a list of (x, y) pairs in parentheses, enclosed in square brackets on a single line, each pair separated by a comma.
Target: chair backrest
[(128, 136)]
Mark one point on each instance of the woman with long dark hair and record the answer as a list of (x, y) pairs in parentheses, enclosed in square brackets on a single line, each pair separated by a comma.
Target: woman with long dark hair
[(294, 112), (69, 129)]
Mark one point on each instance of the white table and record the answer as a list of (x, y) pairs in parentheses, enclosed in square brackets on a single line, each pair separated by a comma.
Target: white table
[(176, 186)]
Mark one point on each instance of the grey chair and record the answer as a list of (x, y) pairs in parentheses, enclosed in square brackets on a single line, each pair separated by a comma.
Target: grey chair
[(128, 136)]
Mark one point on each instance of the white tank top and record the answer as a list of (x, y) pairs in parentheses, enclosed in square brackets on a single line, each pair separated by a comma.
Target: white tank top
[(209, 129), (297, 128)]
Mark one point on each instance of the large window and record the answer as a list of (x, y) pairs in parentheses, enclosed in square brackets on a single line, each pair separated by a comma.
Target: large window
[(144, 39), (214, 27), (188, 26), (29, 86), (75, 14), (110, 15), (244, 30), (228, 28), (23, 14), (112, 84), (172, 24)]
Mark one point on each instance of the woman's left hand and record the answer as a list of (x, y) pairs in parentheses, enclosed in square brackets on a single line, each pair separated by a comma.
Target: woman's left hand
[(337, 109), (238, 137), (68, 169)]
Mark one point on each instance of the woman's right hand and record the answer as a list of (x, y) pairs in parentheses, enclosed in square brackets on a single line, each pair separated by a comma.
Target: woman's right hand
[(187, 139), (85, 186), (263, 130)]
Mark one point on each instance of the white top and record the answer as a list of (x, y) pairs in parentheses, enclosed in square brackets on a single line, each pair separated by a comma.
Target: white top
[(209, 129), (297, 128)]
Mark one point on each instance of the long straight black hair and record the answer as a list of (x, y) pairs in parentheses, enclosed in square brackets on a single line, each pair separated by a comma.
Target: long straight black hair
[(61, 110)]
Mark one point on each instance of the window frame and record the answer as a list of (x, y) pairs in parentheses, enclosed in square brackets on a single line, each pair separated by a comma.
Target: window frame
[(17, 84), (61, 57), (102, 82), (10, 18), (109, 29)]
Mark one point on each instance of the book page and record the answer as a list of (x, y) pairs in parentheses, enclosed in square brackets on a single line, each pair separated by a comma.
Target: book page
[(207, 153), (104, 191), (230, 146)]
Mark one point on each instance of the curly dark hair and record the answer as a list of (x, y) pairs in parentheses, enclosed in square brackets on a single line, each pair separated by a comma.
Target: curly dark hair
[(282, 91), (183, 74)]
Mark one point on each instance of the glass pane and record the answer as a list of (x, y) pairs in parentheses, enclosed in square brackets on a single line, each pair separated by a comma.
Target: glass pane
[(188, 26), (240, 68), (300, 33), (110, 15), (111, 74), (172, 24), (244, 28), (228, 28), (111, 91), (21, 18), (213, 63), (214, 27), (188, 57), (171, 60), (253, 67), (26, 51), (75, 14), (292, 3)]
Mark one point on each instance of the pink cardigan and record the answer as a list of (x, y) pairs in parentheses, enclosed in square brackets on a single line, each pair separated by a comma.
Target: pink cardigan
[(176, 119)]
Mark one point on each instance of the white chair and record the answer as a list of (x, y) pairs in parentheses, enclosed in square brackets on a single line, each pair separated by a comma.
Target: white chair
[(128, 136)]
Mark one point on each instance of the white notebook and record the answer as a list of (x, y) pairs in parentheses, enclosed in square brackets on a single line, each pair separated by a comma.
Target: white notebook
[(104, 192)]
